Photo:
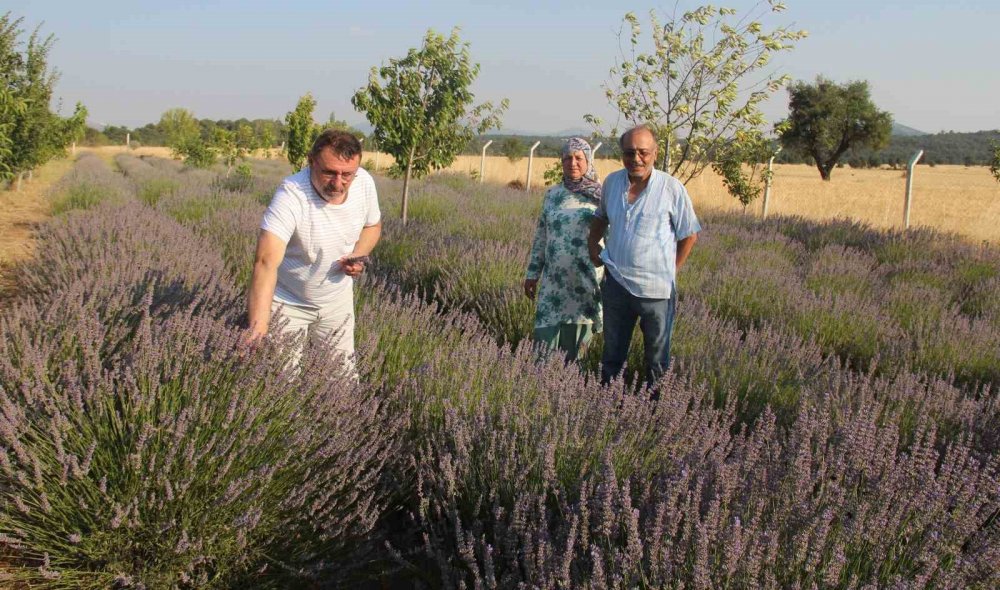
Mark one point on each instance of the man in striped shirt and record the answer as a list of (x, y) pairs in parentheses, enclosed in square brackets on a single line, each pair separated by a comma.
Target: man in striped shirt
[(314, 240), (651, 228)]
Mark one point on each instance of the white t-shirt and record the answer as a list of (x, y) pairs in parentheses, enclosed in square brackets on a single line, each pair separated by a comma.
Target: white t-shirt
[(317, 234)]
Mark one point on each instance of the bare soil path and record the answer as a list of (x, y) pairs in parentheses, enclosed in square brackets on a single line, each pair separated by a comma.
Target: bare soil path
[(21, 212)]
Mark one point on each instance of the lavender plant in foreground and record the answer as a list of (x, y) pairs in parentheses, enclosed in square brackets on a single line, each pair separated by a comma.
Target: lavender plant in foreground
[(180, 460)]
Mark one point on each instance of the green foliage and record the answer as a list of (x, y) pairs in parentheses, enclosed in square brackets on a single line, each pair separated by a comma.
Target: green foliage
[(30, 134), (740, 163), (702, 80), (553, 174), (513, 148), (827, 119), (420, 106), (301, 131), (995, 163), (197, 153), (180, 129)]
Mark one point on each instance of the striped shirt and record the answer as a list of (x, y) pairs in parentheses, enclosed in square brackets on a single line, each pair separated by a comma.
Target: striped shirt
[(641, 246), (317, 234)]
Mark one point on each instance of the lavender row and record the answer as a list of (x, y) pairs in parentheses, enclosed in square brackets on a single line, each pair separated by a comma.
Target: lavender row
[(527, 472), (142, 446)]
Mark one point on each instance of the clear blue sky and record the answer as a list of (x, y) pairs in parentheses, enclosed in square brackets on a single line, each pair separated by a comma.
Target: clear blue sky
[(931, 63)]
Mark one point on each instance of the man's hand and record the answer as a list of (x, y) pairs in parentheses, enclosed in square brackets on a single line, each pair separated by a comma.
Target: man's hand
[(598, 225), (595, 254), (530, 288), (353, 265)]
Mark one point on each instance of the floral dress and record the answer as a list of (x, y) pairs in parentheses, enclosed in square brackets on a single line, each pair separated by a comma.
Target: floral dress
[(568, 291)]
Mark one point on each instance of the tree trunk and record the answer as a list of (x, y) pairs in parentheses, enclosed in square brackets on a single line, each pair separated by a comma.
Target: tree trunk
[(406, 183), (824, 170)]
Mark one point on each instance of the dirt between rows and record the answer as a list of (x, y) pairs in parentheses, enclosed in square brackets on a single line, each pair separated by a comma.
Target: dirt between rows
[(21, 213)]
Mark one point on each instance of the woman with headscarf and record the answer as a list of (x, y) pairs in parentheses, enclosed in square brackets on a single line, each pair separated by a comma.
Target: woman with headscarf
[(560, 274)]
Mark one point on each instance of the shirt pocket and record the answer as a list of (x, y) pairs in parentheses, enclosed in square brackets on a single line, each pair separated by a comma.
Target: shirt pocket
[(650, 226)]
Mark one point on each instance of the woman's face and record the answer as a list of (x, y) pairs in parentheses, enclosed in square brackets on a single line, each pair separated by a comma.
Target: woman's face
[(574, 165)]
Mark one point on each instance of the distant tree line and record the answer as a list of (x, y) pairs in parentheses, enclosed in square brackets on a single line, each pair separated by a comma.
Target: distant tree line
[(517, 146), (154, 134), (947, 147)]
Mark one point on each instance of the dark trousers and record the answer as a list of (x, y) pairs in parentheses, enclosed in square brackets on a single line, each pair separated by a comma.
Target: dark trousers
[(656, 321)]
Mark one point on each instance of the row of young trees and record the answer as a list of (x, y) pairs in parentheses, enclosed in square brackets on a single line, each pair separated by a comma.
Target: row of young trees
[(30, 133), (698, 80)]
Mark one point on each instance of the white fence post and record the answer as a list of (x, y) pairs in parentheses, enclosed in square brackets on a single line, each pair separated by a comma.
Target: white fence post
[(531, 156), (909, 188), (767, 183), (593, 152), (482, 162), (128, 139)]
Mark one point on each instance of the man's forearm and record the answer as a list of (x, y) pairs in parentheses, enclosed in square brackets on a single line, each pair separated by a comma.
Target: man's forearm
[(597, 228), (684, 249), (262, 285), (367, 240)]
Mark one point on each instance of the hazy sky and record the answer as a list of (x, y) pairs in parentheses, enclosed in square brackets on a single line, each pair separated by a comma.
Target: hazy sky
[(931, 63)]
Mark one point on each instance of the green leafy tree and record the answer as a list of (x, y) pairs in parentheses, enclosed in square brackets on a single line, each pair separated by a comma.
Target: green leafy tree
[(827, 119), (741, 164), (553, 174), (421, 108), (513, 148), (180, 128), (302, 131), (30, 133), (699, 80), (995, 163)]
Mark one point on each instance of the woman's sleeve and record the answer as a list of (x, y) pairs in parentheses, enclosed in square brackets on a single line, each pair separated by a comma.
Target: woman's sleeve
[(536, 259)]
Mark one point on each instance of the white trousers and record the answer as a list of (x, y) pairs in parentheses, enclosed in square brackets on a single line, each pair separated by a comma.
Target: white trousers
[(333, 322)]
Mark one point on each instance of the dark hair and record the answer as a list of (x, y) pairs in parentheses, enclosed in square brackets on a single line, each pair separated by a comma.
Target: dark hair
[(621, 140), (342, 143)]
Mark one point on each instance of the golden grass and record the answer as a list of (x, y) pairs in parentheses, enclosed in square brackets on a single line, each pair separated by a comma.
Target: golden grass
[(964, 200), (21, 211), (959, 199)]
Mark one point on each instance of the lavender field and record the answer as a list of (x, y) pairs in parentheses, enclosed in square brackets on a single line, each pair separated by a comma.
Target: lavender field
[(831, 420)]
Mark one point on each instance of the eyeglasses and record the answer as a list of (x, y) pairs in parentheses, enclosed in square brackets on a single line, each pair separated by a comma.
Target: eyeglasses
[(641, 153), (327, 175)]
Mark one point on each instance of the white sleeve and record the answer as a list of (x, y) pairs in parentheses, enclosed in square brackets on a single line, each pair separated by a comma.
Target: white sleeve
[(281, 216), (372, 212)]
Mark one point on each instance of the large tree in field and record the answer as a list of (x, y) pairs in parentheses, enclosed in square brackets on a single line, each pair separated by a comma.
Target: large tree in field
[(421, 107), (995, 162), (826, 119), (698, 81), (30, 133)]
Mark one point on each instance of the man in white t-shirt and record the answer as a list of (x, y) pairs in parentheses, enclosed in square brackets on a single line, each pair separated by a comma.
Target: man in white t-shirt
[(315, 238)]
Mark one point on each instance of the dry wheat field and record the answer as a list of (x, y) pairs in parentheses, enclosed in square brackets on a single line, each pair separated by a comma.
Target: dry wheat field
[(960, 199)]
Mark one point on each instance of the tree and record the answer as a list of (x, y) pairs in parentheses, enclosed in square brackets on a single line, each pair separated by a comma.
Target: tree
[(179, 127), (826, 119), (513, 148), (740, 163), (995, 163), (700, 83), (302, 131), (30, 133), (420, 107)]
